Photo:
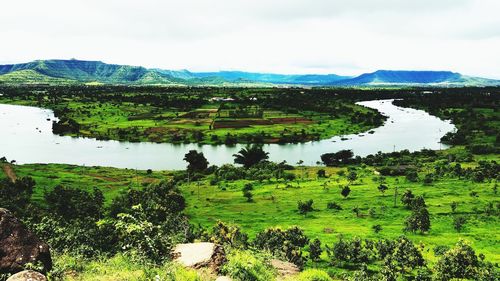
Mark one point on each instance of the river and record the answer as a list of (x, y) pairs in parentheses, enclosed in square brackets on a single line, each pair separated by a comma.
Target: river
[(26, 136)]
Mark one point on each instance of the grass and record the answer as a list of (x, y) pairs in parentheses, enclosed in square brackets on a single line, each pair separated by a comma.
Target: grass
[(123, 268), (127, 121), (213, 204), (275, 202)]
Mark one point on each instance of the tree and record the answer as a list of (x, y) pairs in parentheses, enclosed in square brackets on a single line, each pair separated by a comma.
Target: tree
[(382, 188), (16, 195), (459, 222), (72, 203), (406, 255), (459, 262), (418, 220), (197, 161), (305, 207), (287, 243), (315, 249), (345, 191), (250, 155), (321, 173), (248, 195), (377, 228), (417, 202), (352, 176), (337, 158), (407, 198)]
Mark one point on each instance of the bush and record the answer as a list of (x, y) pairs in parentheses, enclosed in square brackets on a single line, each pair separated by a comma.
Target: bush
[(284, 243), (70, 203), (231, 235), (245, 265), (15, 196), (459, 262), (315, 250), (333, 206), (305, 207)]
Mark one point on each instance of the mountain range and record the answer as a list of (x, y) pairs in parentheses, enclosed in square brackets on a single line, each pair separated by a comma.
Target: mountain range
[(96, 72)]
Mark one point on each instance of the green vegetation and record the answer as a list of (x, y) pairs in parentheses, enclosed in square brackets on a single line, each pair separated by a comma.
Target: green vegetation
[(428, 215), (186, 115)]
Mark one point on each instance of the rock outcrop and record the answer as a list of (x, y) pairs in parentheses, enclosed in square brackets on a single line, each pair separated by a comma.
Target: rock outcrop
[(27, 275), (19, 246), (198, 255)]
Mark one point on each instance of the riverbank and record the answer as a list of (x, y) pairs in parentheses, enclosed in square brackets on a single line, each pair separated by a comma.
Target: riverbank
[(404, 129)]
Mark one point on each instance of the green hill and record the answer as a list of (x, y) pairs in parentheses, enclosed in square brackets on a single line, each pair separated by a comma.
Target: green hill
[(77, 71)]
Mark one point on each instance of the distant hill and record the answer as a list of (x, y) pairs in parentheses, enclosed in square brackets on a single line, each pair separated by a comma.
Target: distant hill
[(404, 77), (77, 71)]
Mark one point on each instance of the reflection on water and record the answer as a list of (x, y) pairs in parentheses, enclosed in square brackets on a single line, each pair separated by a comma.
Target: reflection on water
[(26, 136)]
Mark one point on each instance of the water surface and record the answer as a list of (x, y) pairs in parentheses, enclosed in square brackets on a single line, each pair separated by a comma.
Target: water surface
[(26, 136)]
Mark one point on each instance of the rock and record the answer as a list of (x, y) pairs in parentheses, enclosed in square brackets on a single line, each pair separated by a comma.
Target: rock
[(19, 246), (284, 268), (223, 278), (198, 255), (27, 275)]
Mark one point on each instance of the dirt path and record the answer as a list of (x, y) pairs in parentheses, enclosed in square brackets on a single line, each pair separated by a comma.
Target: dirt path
[(9, 172)]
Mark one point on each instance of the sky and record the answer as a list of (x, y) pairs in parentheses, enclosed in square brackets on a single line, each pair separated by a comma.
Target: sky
[(346, 37)]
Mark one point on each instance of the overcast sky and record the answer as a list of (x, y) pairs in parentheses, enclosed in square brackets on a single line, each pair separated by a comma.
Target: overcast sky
[(284, 36)]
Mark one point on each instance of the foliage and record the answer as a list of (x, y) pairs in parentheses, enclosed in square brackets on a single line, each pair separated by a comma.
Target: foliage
[(458, 262), (346, 190), (354, 251), (341, 157), (248, 266), (250, 155), (16, 195), (283, 243), (231, 235), (197, 161), (315, 249), (305, 207), (142, 238), (419, 220), (70, 203)]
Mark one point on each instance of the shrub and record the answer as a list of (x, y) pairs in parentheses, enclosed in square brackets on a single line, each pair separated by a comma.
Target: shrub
[(346, 190), (459, 262), (141, 238), (305, 207), (355, 251), (15, 196), (231, 235), (333, 206), (321, 173), (285, 243), (245, 265), (72, 203), (315, 250), (418, 220)]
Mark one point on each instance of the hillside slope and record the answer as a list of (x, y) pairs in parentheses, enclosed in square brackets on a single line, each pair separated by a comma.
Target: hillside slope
[(77, 71)]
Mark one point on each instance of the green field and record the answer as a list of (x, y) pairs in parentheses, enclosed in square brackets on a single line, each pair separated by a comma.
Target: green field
[(208, 117), (275, 202), (459, 182)]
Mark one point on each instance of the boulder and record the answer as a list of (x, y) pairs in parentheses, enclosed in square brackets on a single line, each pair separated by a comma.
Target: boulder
[(27, 275), (19, 246), (223, 278), (198, 255)]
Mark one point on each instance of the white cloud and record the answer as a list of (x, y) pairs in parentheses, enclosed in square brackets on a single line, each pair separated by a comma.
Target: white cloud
[(289, 36)]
